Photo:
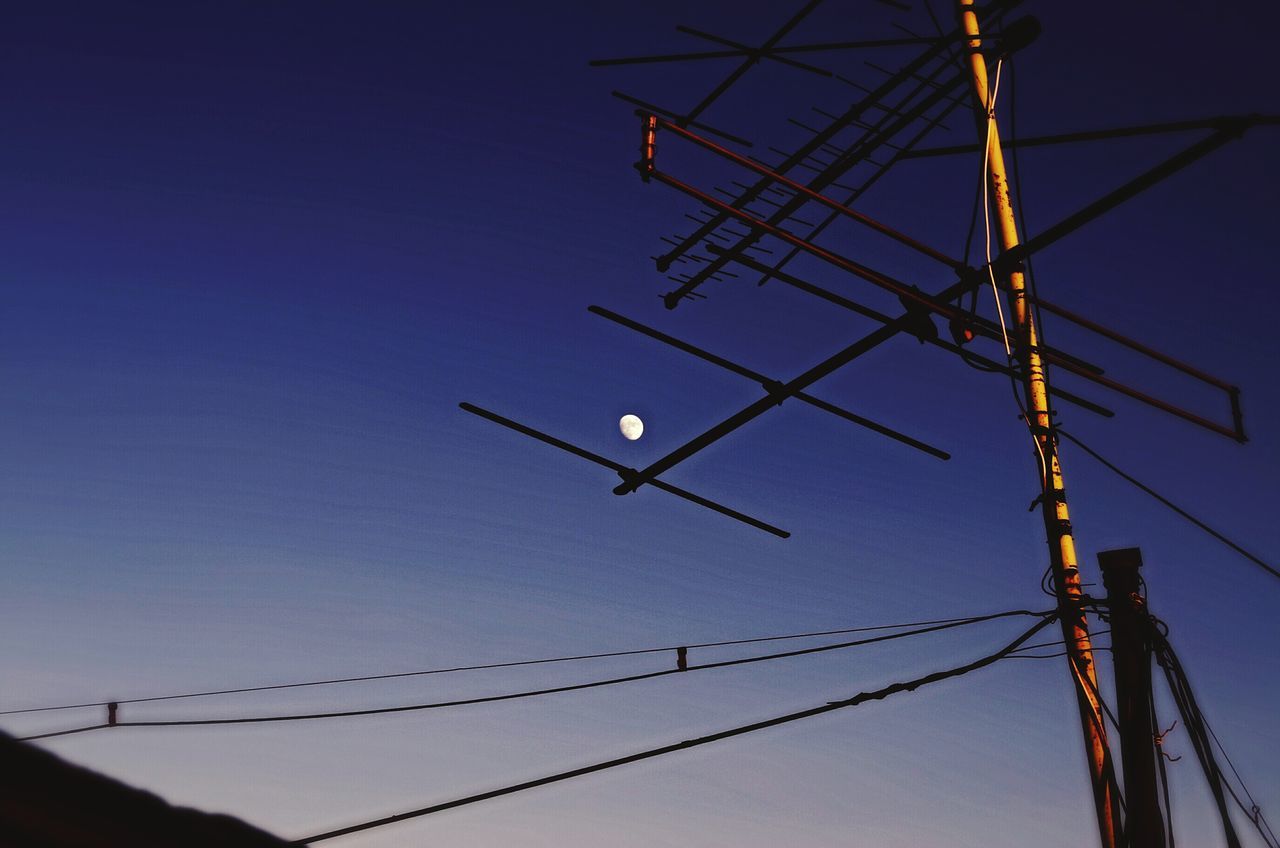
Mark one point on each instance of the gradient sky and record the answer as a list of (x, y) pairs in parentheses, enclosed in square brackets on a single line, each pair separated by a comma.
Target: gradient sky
[(255, 254)]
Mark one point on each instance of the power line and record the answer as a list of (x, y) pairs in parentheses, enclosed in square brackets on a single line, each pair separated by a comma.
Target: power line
[(1203, 741), (531, 693), (1254, 812), (830, 706), (1162, 499), (485, 666)]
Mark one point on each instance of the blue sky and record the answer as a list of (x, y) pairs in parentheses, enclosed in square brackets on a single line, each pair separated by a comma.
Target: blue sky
[(256, 255)]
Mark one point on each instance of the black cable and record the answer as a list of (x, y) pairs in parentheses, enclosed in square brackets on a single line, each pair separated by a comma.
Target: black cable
[(830, 706), (61, 733), (1162, 499), (1047, 583), (1160, 758), (1063, 642), (1193, 720), (973, 227), (508, 664), (511, 696), (1254, 811)]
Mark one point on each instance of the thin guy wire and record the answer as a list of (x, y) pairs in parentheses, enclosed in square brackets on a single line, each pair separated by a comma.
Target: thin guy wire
[(1162, 499), (1259, 820)]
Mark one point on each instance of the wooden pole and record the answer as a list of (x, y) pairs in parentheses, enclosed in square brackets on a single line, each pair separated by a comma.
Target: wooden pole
[(1131, 661)]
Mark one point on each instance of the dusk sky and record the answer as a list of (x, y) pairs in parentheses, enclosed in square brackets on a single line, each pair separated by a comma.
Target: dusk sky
[(255, 254)]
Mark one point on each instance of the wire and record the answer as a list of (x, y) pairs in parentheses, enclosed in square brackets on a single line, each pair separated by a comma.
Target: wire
[(61, 732), (986, 204), (511, 696), (1197, 732), (1160, 758), (1255, 811), (1021, 210), (991, 273), (1162, 499), (1064, 642), (483, 667), (1022, 207), (830, 706)]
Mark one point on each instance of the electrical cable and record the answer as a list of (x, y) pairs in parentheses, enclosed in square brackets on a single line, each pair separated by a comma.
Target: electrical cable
[(1203, 740), (830, 706), (1021, 211), (485, 666), (1163, 772), (1193, 720), (995, 291), (1022, 207), (1162, 499), (510, 696), (986, 204), (1063, 643), (1255, 811)]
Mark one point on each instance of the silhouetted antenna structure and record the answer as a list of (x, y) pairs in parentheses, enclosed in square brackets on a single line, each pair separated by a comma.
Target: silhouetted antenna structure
[(789, 202), (783, 198)]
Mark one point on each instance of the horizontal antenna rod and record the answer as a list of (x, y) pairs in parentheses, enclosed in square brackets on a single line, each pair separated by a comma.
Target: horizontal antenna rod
[(748, 51), (854, 113), (750, 61), (1018, 34), (1069, 224), (658, 110), (768, 384), (813, 195), (771, 53), (624, 472), (875, 315), (974, 277), (1103, 135), (818, 183), (808, 378)]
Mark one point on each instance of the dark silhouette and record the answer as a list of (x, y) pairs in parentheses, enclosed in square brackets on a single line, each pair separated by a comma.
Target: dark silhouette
[(46, 802)]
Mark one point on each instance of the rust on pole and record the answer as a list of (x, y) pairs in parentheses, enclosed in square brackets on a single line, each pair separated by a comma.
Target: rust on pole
[(1053, 502)]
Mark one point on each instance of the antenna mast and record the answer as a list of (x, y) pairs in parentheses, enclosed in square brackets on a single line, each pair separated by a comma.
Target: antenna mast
[(1039, 418)]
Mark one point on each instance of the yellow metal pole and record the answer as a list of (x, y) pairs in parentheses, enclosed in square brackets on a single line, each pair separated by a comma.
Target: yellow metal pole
[(1062, 551)]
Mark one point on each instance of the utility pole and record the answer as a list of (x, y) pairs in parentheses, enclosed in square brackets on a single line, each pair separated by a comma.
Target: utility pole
[(1053, 502), (1131, 659)]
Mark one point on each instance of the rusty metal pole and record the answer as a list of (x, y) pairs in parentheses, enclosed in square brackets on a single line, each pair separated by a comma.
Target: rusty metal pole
[(1057, 523), (1131, 660)]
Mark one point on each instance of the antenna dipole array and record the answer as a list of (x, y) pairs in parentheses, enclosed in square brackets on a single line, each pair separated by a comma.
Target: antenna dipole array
[(779, 210)]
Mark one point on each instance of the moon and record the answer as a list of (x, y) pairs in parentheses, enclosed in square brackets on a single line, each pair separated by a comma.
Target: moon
[(631, 426)]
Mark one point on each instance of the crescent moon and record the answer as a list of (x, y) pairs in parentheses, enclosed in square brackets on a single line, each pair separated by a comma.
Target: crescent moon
[(631, 427)]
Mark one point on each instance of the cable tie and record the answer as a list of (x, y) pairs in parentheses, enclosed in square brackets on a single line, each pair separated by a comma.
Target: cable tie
[(682, 659), (112, 709)]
